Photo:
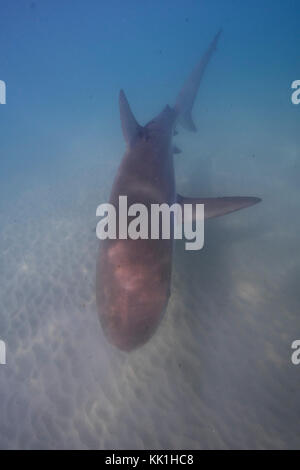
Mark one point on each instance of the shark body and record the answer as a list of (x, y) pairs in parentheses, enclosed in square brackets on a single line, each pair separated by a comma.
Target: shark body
[(134, 276)]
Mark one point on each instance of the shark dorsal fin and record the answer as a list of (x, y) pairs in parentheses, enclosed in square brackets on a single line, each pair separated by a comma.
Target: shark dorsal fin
[(130, 127)]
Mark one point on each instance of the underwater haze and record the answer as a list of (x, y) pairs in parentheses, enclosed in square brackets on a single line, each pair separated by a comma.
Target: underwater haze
[(218, 373)]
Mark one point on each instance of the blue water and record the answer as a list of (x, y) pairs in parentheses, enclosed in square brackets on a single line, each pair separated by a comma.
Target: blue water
[(218, 372)]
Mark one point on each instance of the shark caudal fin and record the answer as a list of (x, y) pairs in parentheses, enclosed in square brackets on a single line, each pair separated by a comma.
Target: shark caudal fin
[(130, 127), (217, 206), (187, 95)]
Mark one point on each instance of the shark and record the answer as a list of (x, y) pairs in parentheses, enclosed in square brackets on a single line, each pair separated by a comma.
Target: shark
[(133, 277)]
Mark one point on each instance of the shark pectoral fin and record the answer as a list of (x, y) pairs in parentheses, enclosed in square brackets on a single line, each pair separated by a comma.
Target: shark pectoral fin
[(130, 127), (217, 206)]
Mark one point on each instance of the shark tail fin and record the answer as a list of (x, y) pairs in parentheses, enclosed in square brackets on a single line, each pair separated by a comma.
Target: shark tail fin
[(217, 206), (130, 127), (186, 120), (187, 95)]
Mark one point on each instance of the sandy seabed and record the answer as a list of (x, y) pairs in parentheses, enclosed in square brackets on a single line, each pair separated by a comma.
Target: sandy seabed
[(217, 374)]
